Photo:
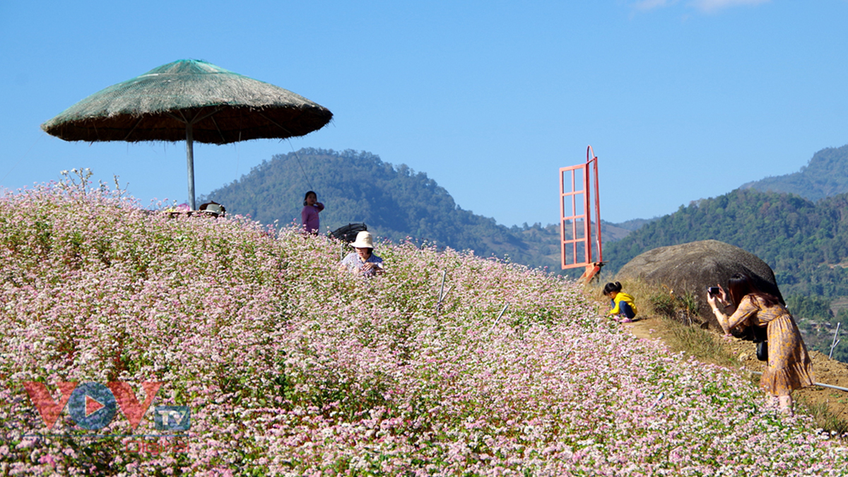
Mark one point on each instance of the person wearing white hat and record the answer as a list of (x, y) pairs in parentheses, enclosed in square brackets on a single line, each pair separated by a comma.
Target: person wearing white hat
[(363, 261)]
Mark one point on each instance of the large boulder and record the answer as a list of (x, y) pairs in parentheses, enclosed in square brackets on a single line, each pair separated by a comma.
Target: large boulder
[(692, 267)]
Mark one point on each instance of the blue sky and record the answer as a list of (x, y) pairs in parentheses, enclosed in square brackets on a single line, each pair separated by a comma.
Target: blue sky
[(680, 100)]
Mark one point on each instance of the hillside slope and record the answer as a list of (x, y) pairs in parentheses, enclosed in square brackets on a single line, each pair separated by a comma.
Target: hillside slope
[(291, 368), (826, 175)]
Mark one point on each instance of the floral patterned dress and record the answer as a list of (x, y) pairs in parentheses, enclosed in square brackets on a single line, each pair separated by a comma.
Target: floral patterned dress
[(789, 366)]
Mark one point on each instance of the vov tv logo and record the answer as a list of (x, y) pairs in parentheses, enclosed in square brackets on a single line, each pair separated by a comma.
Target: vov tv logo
[(92, 405)]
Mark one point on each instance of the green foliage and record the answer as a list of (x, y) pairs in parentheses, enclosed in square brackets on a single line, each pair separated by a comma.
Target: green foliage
[(809, 307), (805, 243), (826, 175), (842, 317)]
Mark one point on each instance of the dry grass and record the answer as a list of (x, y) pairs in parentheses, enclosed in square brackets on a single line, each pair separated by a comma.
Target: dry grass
[(652, 300), (704, 345), (823, 417)]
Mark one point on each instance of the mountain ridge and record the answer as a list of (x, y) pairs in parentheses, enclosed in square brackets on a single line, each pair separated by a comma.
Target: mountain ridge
[(825, 175), (395, 202)]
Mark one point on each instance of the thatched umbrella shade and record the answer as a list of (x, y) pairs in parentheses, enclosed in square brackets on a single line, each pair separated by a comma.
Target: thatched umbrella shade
[(189, 99)]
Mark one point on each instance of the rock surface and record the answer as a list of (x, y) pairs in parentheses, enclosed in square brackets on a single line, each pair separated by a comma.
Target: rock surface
[(692, 267)]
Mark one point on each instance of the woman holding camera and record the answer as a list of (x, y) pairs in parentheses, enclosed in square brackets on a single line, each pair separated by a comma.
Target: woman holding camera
[(789, 366)]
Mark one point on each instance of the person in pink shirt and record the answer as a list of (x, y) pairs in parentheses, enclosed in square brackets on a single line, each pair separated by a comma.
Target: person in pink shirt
[(309, 214)]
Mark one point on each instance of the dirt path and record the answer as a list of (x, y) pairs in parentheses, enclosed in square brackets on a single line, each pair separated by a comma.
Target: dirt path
[(827, 371)]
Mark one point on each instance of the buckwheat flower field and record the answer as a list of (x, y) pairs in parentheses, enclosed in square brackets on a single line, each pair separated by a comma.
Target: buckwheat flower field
[(289, 367)]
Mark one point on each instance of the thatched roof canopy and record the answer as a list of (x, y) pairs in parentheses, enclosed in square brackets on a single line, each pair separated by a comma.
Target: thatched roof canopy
[(222, 107)]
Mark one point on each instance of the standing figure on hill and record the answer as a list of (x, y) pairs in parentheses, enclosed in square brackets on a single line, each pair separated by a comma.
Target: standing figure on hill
[(309, 214), (362, 261), (789, 365), (623, 308)]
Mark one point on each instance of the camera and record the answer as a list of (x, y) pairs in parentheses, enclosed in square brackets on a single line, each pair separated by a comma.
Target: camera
[(713, 291)]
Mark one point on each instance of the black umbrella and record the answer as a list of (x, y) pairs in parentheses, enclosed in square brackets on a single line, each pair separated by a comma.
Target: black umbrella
[(189, 99)]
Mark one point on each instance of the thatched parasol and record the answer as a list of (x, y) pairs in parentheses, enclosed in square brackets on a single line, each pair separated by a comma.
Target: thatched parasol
[(189, 99)]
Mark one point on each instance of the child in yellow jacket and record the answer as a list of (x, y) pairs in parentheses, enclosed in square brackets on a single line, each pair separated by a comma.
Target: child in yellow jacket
[(623, 307)]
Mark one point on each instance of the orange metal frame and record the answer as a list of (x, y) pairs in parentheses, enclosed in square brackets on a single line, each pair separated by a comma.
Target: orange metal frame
[(576, 215)]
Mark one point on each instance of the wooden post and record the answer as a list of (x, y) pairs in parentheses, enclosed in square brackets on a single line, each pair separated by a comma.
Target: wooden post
[(190, 163)]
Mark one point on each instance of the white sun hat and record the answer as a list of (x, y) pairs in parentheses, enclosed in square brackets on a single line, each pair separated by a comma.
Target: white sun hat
[(363, 240)]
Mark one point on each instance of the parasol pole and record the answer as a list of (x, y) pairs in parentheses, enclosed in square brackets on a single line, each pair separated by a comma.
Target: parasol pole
[(190, 164)]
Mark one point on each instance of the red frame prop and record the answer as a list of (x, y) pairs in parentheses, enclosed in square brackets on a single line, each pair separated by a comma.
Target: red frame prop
[(578, 189)]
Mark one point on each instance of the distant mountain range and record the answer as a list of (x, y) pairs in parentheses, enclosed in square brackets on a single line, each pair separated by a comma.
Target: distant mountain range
[(805, 242), (797, 223), (393, 200), (825, 175)]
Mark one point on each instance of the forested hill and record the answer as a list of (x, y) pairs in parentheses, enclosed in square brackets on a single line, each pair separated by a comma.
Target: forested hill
[(805, 242), (395, 201), (825, 175)]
